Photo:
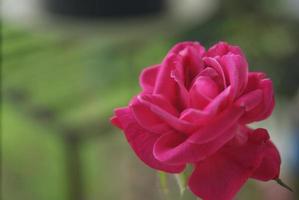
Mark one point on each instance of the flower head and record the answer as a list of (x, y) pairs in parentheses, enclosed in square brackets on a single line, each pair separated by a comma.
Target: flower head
[(194, 108)]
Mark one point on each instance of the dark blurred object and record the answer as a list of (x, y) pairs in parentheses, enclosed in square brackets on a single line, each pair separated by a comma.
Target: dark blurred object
[(104, 8)]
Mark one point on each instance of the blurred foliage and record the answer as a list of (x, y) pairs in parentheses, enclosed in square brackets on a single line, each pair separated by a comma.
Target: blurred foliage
[(58, 94), (27, 157)]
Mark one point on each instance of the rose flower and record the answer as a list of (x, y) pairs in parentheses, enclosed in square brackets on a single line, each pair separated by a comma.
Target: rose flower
[(194, 108)]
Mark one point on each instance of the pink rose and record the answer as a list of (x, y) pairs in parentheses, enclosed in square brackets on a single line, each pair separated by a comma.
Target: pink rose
[(193, 109)]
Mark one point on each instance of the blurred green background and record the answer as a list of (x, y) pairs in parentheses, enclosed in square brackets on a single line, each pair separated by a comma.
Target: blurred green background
[(59, 86)]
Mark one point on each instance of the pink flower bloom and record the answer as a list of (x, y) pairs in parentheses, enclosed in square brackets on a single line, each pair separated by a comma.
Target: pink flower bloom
[(194, 109)]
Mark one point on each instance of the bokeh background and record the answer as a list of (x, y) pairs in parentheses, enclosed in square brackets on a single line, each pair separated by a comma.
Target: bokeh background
[(65, 64)]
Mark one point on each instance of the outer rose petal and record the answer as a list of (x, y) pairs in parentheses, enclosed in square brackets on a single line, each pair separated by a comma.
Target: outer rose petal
[(114, 120), (254, 79), (222, 175), (148, 78), (218, 125), (158, 106), (147, 119), (250, 100), (174, 148), (142, 141), (178, 148), (265, 107), (270, 166), (269, 102)]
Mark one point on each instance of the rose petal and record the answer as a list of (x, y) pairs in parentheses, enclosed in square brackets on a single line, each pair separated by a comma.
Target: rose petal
[(250, 100), (182, 92), (146, 118), (198, 48), (208, 72), (236, 70), (179, 66), (269, 102), (166, 85), (158, 106), (191, 62), (114, 120), (266, 106), (217, 126), (142, 141), (270, 166), (218, 103), (190, 54), (213, 63), (223, 48), (254, 79), (195, 116), (203, 90), (175, 148), (148, 78), (241, 137), (222, 175)]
